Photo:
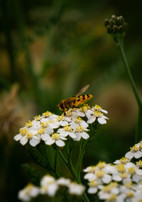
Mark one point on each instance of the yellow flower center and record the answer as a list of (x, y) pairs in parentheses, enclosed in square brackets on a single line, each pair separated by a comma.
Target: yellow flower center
[(23, 131), (68, 128), (124, 160), (101, 165), (79, 129), (130, 194), (93, 183), (139, 164), (132, 170), (120, 168), (44, 124), (47, 114), (37, 118), (29, 124), (100, 174), (40, 131), (56, 136), (92, 169), (135, 148), (128, 185), (29, 135)]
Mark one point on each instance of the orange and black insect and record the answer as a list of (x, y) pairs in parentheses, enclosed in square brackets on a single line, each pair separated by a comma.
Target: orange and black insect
[(75, 101)]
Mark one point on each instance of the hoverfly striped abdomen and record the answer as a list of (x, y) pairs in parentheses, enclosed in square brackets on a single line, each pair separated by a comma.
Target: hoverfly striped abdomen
[(83, 98)]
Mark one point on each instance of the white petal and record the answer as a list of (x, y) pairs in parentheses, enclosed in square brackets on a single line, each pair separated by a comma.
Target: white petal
[(102, 120), (129, 155), (84, 135), (91, 120), (49, 130), (34, 141), (24, 140), (45, 137), (50, 141), (138, 154), (34, 191), (84, 124), (72, 135), (92, 190), (106, 179), (60, 143), (52, 189), (18, 137)]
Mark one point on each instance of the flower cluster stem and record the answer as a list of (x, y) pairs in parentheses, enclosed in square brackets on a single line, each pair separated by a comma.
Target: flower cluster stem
[(72, 171), (80, 158), (138, 134)]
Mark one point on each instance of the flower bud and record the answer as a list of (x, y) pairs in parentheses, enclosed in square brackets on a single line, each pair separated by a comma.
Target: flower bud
[(116, 26)]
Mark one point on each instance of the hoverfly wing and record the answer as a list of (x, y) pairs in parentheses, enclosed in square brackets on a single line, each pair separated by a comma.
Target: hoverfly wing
[(82, 90)]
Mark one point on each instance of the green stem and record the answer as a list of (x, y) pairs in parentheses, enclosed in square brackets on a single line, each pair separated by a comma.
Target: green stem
[(121, 47), (55, 161), (80, 158), (72, 171), (138, 134)]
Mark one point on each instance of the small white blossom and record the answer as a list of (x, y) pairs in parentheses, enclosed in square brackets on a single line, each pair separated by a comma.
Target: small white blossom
[(56, 138), (135, 152), (28, 192), (76, 189), (49, 185)]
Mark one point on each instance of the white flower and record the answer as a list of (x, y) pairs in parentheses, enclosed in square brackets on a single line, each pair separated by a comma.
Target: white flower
[(80, 132), (56, 138), (26, 135), (67, 130), (48, 185), (28, 192), (96, 113), (76, 189), (108, 191), (136, 151), (63, 182)]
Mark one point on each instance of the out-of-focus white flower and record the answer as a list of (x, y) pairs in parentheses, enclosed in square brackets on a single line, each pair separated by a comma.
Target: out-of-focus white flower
[(49, 185), (76, 189), (135, 152), (109, 192), (63, 181), (28, 192)]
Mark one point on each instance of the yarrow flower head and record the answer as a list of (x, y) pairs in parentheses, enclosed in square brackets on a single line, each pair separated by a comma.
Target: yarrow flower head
[(55, 129), (119, 181), (49, 186)]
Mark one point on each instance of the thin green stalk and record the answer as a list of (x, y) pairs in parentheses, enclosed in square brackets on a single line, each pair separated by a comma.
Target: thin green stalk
[(71, 169), (138, 134), (80, 158), (55, 161), (121, 47)]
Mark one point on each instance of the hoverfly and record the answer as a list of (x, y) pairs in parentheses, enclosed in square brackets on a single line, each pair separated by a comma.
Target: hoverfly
[(75, 101)]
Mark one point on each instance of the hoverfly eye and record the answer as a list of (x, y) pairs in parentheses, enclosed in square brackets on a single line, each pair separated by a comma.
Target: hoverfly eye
[(61, 105)]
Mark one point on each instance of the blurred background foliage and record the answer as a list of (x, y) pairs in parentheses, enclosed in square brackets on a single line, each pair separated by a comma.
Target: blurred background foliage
[(48, 51)]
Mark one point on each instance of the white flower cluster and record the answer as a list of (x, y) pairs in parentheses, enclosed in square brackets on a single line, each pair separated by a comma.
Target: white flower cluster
[(49, 186), (52, 128), (121, 181)]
